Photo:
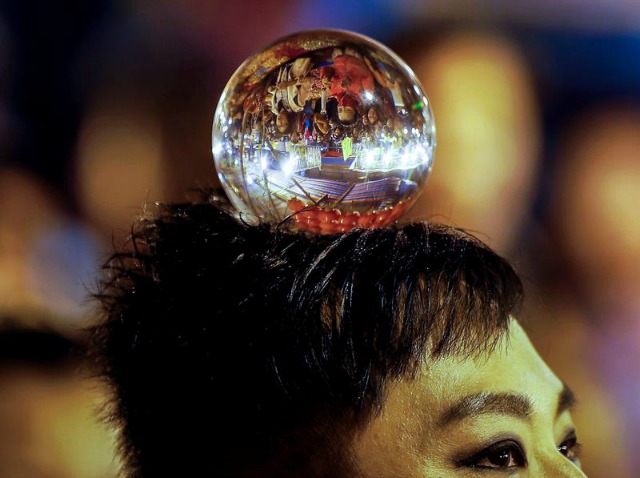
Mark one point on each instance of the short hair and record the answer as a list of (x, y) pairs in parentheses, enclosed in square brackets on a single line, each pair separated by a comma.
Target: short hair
[(235, 349)]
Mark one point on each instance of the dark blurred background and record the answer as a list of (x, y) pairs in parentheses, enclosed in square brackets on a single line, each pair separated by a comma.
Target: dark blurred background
[(106, 105)]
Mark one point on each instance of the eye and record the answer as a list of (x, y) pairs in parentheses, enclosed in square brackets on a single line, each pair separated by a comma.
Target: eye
[(499, 456), (570, 448)]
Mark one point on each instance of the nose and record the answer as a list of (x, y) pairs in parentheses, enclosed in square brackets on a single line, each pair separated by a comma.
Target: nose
[(557, 466)]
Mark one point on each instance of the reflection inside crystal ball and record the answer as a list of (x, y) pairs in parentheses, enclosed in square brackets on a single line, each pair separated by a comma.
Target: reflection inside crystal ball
[(326, 129)]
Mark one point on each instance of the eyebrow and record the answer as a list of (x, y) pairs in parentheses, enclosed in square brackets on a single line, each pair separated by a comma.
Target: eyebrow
[(513, 404), (566, 400)]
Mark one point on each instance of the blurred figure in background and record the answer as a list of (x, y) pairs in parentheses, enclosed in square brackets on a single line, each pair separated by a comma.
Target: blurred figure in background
[(488, 133), (595, 212), (48, 408), (48, 400)]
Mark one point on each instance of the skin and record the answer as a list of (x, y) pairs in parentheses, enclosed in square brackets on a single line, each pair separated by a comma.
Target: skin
[(322, 124), (372, 116), (282, 122), (425, 429), (346, 114)]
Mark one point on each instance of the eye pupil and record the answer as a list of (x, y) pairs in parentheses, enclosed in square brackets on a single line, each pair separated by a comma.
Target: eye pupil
[(502, 458), (570, 448)]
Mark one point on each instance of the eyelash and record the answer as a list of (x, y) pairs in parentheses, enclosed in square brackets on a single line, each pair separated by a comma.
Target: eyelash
[(499, 456), (508, 454), (571, 448)]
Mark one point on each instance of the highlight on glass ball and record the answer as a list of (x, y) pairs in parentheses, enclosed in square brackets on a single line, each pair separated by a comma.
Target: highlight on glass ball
[(327, 129)]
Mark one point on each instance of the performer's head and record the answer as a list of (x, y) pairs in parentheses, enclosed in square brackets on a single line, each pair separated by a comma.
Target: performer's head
[(283, 121), (372, 115), (347, 108), (321, 123), (237, 350)]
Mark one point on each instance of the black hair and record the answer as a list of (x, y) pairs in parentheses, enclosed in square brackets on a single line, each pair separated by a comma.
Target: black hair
[(247, 350)]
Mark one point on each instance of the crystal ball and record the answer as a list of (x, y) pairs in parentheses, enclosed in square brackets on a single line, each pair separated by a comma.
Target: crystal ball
[(323, 130)]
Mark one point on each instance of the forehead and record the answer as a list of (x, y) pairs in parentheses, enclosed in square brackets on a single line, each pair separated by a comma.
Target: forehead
[(414, 409), (514, 366)]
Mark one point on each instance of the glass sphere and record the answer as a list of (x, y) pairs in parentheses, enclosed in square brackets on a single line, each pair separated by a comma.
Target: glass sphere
[(328, 129)]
